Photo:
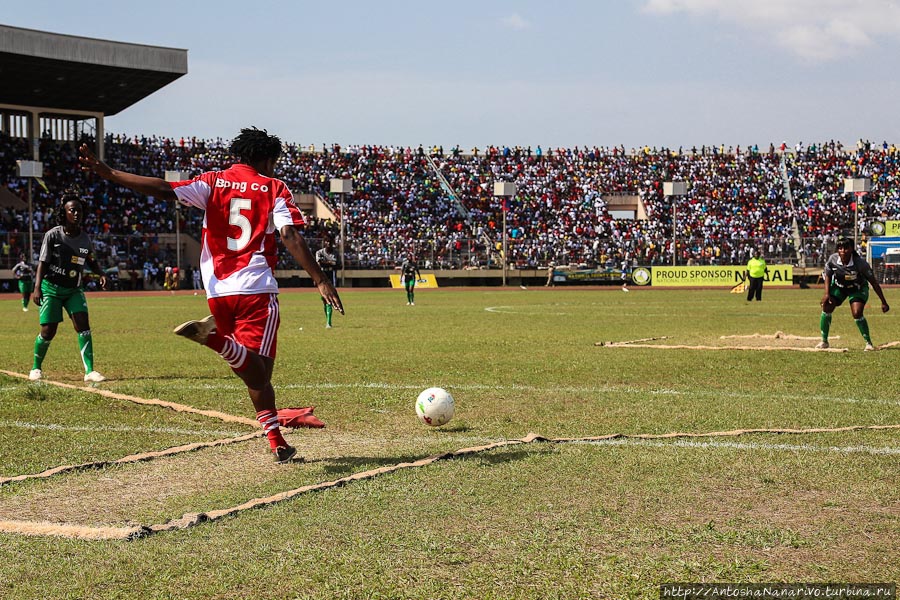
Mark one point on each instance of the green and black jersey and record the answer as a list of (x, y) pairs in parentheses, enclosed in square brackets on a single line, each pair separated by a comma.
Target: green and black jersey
[(850, 277), (65, 257), (410, 269), (23, 271)]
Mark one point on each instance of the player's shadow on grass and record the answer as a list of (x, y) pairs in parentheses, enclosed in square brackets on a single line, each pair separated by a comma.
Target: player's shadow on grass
[(499, 456), (460, 428), (347, 465)]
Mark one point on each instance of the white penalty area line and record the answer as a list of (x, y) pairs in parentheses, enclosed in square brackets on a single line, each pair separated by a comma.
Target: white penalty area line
[(70, 530), (752, 446)]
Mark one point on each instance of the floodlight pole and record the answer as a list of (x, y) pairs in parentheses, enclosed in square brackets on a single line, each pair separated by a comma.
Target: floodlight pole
[(506, 191), (173, 176), (30, 254), (30, 169), (673, 189), (859, 187), (342, 187)]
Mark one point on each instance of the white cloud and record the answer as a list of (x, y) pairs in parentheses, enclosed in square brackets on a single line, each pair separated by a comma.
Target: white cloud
[(516, 22), (815, 30)]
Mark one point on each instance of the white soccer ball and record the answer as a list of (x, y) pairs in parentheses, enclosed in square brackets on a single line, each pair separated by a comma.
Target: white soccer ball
[(435, 407)]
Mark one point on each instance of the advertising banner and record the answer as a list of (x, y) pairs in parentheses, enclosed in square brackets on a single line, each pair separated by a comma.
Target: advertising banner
[(428, 281), (589, 276), (715, 276)]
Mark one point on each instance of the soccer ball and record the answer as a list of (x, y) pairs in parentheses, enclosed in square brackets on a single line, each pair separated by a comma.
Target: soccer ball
[(435, 407)]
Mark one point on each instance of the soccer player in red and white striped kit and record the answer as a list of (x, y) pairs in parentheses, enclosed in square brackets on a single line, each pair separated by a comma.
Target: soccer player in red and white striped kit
[(243, 208)]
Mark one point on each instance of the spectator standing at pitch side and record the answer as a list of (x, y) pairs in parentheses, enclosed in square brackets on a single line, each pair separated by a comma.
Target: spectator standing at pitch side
[(847, 277), (25, 275), (195, 279), (65, 250), (243, 208), (410, 272), (756, 272), (327, 261)]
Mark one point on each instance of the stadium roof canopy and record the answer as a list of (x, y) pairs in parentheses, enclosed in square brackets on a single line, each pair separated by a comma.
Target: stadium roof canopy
[(52, 70)]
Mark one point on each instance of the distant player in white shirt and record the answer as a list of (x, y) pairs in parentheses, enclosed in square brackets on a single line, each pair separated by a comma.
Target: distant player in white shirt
[(243, 208)]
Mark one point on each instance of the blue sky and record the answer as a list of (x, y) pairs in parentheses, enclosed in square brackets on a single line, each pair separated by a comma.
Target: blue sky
[(603, 72)]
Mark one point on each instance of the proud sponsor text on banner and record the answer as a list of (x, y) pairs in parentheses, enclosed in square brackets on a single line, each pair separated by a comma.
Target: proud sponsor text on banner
[(776, 275)]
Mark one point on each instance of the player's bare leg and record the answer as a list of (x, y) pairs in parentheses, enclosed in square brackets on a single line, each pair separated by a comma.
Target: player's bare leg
[(256, 373)]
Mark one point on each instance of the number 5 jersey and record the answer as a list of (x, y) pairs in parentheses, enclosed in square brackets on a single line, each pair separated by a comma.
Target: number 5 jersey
[(242, 211)]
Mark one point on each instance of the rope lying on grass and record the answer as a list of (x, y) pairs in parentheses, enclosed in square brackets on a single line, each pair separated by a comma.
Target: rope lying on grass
[(778, 335), (685, 347), (69, 530), (639, 343), (133, 458), (151, 401)]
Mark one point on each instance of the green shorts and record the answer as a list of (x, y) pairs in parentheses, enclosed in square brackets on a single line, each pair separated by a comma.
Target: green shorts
[(410, 283), (26, 286), (839, 294), (54, 298)]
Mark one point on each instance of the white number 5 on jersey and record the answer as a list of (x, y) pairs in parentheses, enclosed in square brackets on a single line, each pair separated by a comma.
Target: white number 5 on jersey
[(238, 220)]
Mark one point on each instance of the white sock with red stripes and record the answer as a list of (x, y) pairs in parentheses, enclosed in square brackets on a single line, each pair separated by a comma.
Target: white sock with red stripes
[(269, 420), (234, 353)]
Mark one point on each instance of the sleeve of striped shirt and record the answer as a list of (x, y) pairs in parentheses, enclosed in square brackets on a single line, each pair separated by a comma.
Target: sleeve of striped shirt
[(194, 192), (285, 211)]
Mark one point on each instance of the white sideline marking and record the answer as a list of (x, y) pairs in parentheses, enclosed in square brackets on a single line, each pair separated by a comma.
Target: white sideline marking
[(750, 446), (620, 389), (465, 387), (119, 429)]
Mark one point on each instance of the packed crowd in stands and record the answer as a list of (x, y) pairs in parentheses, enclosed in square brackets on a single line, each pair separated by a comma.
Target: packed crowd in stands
[(736, 200)]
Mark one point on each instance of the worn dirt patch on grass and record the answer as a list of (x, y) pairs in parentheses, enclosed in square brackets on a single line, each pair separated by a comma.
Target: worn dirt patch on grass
[(199, 481)]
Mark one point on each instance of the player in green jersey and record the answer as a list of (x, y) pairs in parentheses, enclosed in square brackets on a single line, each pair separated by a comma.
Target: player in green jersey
[(65, 251)]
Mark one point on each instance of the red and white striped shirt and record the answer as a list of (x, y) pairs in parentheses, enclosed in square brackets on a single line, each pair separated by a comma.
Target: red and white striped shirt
[(243, 209)]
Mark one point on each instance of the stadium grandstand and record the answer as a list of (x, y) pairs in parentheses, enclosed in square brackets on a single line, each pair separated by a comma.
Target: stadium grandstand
[(598, 207)]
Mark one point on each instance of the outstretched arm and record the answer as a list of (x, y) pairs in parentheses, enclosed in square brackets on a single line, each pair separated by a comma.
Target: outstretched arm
[(149, 186), (296, 245)]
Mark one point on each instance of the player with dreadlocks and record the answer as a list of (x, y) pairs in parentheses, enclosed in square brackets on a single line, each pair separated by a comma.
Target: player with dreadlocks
[(244, 206), (65, 251)]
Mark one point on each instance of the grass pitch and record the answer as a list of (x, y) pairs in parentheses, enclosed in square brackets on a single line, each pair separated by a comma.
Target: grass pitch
[(607, 520)]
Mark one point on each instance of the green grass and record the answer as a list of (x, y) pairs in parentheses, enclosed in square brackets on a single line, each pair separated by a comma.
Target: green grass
[(605, 520)]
